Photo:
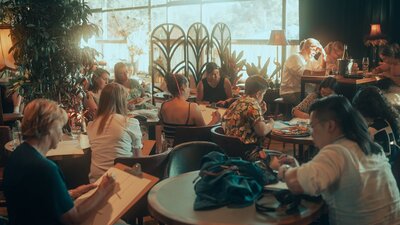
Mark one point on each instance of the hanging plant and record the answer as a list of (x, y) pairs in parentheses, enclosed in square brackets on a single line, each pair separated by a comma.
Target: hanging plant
[(51, 63)]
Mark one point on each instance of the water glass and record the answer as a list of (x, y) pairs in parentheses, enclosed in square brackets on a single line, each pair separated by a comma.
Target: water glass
[(76, 127), (16, 137), (365, 65)]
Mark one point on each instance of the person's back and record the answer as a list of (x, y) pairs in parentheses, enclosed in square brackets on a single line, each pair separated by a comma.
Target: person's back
[(34, 188), (365, 193), (120, 138)]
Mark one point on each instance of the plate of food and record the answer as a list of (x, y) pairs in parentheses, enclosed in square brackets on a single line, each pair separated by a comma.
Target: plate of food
[(292, 131)]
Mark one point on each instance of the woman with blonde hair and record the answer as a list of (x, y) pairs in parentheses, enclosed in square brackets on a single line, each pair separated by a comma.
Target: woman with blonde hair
[(112, 134), (299, 64), (31, 179)]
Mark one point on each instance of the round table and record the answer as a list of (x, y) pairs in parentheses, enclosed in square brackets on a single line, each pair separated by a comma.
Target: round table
[(301, 141), (171, 202)]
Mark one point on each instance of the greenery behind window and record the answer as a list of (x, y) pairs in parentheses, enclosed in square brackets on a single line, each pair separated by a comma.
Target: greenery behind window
[(125, 22)]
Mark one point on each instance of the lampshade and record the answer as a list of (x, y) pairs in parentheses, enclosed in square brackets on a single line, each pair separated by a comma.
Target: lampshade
[(375, 30), (277, 37), (6, 58)]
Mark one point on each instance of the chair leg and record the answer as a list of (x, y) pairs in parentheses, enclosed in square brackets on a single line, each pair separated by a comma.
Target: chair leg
[(276, 111), (140, 220)]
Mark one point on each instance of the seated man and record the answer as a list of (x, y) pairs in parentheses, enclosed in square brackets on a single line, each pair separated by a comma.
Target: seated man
[(244, 118), (302, 63), (350, 171)]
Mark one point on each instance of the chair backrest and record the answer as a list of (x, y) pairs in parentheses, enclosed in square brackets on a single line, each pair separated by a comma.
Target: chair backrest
[(232, 146), (185, 134), (151, 164), (187, 157)]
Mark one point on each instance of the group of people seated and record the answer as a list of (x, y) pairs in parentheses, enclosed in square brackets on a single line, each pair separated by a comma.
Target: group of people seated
[(354, 170)]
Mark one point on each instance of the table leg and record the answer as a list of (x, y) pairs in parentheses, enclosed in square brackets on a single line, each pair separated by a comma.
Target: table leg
[(152, 132), (302, 90)]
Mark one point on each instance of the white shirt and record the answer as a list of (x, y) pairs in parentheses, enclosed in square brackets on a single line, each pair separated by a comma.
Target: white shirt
[(120, 137), (293, 70), (358, 189)]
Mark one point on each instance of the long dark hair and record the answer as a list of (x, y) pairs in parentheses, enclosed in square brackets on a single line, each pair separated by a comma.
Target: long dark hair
[(329, 82), (175, 82), (351, 122), (390, 50), (95, 77), (371, 103)]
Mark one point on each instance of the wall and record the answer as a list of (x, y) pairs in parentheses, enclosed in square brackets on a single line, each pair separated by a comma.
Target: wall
[(349, 21)]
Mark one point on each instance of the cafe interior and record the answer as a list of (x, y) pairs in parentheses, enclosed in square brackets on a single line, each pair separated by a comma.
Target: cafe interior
[(200, 112)]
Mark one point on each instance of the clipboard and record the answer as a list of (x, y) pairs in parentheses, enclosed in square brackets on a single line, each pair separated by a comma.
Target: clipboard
[(129, 190)]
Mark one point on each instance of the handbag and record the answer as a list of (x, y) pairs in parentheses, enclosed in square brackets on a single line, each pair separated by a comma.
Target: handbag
[(225, 181)]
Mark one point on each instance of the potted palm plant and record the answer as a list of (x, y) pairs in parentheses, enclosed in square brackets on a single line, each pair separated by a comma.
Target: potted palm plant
[(51, 64), (231, 64)]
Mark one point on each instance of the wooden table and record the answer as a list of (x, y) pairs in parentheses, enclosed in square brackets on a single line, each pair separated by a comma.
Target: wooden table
[(171, 202), (162, 96), (347, 86)]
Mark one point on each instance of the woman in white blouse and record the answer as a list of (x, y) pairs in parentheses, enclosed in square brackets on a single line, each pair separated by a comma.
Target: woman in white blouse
[(112, 134)]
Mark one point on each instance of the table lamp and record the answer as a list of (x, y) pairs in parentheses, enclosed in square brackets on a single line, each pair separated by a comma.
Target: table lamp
[(6, 58), (277, 38)]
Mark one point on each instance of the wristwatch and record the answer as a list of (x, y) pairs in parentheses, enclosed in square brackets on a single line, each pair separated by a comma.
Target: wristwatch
[(282, 172)]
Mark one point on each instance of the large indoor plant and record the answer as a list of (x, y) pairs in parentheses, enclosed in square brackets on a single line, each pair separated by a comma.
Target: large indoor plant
[(47, 34), (231, 64), (272, 79)]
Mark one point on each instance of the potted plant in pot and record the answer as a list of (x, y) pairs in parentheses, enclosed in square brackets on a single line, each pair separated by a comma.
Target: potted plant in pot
[(231, 64), (51, 64), (273, 80)]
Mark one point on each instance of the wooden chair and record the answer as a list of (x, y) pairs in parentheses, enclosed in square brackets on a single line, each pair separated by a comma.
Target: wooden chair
[(232, 146), (187, 157), (185, 134), (153, 165), (287, 108)]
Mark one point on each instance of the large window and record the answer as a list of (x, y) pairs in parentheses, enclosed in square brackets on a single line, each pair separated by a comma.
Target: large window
[(127, 24)]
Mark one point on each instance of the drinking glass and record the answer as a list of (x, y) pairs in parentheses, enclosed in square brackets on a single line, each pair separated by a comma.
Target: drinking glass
[(365, 65), (16, 137), (75, 125)]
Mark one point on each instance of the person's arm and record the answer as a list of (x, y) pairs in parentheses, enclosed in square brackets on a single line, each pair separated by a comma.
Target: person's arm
[(299, 114), (301, 110), (383, 67), (91, 103), (135, 133), (228, 88), (262, 128), (197, 116), (79, 213), (317, 175), (16, 99), (200, 92)]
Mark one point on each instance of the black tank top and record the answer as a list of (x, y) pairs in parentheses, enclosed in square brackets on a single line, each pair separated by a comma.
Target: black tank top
[(214, 94)]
